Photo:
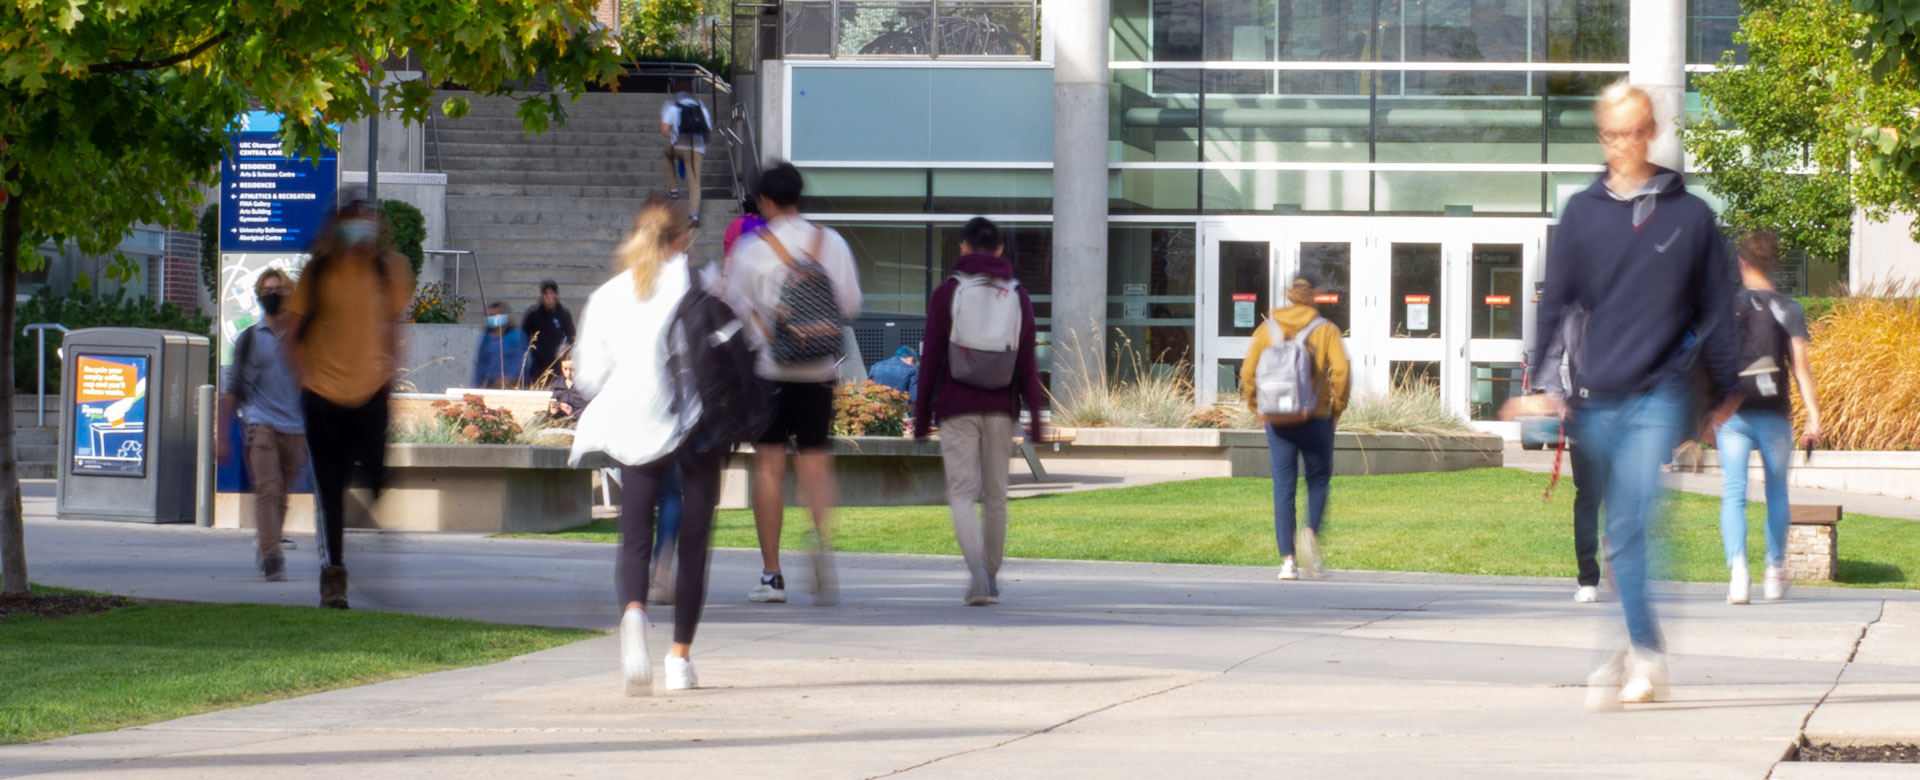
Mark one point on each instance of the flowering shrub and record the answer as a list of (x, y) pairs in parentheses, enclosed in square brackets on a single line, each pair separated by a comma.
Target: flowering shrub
[(869, 409), (436, 304), (473, 421)]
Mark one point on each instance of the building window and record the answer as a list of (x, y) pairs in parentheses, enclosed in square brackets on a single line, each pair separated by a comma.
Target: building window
[(1493, 384), (1151, 302), (1380, 31), (911, 29), (1497, 295)]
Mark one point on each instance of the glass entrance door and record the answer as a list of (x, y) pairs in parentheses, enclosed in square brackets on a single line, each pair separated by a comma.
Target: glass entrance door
[(1238, 288)]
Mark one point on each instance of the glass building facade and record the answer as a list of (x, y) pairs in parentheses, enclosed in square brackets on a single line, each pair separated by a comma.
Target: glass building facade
[(1412, 154)]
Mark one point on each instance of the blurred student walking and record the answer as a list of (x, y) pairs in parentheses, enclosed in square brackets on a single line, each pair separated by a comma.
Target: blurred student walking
[(1644, 259), (1562, 364), (803, 286), (260, 388), (978, 370), (1773, 340), (640, 418), (343, 339), (1295, 378)]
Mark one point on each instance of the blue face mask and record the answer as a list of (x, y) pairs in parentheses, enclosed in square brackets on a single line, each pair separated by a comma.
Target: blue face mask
[(356, 232), (497, 321)]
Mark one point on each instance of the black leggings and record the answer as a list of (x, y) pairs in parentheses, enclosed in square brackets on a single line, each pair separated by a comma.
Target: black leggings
[(639, 496), (343, 441)]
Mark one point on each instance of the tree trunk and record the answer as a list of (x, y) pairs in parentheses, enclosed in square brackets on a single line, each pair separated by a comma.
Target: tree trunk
[(13, 529)]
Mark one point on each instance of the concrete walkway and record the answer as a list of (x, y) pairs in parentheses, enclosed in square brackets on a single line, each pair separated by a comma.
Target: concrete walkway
[(1085, 670), (1708, 483)]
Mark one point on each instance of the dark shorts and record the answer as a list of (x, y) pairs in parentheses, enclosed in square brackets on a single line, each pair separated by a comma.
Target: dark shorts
[(802, 415)]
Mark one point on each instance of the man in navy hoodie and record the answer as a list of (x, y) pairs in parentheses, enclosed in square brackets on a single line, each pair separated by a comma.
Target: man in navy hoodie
[(976, 424), (1646, 262)]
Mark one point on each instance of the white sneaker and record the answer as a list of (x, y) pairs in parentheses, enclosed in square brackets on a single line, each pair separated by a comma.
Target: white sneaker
[(1740, 585), (1646, 678), (1288, 571), (1310, 555), (771, 590), (1774, 587), (1587, 594), (680, 676), (636, 665), (1603, 685), (826, 581), (662, 591)]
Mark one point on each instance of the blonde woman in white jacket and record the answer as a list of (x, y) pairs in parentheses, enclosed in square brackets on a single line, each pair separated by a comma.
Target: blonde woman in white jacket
[(621, 364)]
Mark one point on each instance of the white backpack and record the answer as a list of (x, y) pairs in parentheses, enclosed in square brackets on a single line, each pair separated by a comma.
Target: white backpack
[(1284, 377), (984, 342)]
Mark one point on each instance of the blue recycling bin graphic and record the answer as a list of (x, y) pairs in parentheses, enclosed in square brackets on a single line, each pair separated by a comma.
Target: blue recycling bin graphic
[(110, 415)]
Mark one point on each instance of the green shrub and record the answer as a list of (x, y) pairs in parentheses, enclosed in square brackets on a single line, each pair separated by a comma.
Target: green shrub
[(210, 250), (1819, 307), (1864, 359), (89, 309), (409, 230), (1157, 396)]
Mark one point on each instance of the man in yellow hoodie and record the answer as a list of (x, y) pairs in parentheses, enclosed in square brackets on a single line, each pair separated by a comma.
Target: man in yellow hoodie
[(1311, 441)]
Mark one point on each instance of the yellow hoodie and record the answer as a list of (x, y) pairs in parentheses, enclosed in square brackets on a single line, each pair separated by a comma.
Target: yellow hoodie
[(1329, 359)]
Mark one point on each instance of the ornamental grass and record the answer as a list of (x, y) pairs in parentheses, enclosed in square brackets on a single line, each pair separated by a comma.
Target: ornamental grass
[(1865, 357)]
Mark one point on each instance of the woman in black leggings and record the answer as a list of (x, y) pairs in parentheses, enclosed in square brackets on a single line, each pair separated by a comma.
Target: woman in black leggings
[(621, 364)]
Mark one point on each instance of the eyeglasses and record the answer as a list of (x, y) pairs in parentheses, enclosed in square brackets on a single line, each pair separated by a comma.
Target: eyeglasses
[(1616, 137)]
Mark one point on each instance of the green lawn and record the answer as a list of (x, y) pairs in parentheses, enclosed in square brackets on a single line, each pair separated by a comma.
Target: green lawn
[(1488, 521), (152, 662)]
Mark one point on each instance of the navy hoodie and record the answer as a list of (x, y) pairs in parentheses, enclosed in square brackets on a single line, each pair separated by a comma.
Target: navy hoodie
[(941, 397), (1652, 272)]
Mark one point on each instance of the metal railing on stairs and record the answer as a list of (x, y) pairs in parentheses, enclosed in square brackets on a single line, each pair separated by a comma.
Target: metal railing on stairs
[(39, 329)]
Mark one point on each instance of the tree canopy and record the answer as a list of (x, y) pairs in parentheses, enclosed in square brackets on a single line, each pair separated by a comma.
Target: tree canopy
[(1782, 143), (117, 112)]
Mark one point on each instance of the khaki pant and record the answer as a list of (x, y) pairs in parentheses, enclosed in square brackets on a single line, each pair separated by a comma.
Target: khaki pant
[(273, 459), (976, 449), (690, 182)]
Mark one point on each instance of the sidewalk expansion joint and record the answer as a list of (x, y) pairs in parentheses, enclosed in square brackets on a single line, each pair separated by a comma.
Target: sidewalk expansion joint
[(1800, 734), (1151, 694)]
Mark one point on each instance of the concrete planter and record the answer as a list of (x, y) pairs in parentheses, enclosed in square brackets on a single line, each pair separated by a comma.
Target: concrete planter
[(1226, 453), (1894, 474), (439, 356), (872, 471), (478, 488)]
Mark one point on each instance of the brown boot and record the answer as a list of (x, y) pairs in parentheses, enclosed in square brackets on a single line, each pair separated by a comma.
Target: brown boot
[(333, 587)]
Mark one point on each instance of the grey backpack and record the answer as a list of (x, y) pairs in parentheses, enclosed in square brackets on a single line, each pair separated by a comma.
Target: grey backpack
[(984, 342), (1284, 377)]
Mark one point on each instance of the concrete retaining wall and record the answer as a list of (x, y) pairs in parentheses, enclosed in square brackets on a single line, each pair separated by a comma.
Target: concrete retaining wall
[(1894, 474), (439, 357), (1216, 453)]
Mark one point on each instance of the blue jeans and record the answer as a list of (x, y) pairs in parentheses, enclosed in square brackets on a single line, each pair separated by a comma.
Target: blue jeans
[(667, 528), (1772, 432), (1310, 442), (1630, 436)]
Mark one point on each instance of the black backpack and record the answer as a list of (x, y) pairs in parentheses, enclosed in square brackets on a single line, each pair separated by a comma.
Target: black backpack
[(243, 374), (711, 358), (1763, 349), (693, 119), (808, 325)]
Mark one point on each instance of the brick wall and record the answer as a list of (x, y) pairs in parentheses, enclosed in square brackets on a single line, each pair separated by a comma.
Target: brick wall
[(609, 13), (178, 274)]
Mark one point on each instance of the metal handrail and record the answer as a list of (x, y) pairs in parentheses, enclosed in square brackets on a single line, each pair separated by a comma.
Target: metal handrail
[(743, 148), (40, 330), (457, 254)]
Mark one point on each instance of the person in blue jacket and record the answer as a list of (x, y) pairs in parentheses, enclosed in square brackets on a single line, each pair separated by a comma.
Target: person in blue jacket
[(503, 352), (899, 373)]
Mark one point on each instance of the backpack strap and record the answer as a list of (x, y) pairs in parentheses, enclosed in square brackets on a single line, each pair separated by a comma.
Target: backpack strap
[(242, 356), (780, 249)]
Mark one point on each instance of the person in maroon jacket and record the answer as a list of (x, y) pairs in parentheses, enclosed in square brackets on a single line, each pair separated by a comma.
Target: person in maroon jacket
[(976, 425)]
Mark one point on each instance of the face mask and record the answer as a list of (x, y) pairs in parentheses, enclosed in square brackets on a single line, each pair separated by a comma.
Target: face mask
[(356, 232), (497, 321), (271, 302)]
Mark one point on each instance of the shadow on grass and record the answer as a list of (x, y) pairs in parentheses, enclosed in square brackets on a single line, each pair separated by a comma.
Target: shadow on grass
[(1870, 573)]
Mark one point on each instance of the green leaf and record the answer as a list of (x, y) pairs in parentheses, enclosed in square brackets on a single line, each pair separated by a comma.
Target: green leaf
[(456, 107)]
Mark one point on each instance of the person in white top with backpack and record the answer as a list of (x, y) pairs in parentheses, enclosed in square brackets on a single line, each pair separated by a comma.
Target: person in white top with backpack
[(976, 373), (801, 282), (686, 123), (1295, 379)]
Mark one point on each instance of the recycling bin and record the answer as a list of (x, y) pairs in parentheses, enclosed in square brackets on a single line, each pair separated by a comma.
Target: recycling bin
[(127, 434)]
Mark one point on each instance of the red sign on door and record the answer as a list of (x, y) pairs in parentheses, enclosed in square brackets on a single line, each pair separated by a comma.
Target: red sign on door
[(1246, 297), (1333, 298), (1419, 299), (1499, 300)]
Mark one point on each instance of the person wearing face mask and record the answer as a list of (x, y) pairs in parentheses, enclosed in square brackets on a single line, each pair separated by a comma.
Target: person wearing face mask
[(259, 388), (503, 352), (343, 339)]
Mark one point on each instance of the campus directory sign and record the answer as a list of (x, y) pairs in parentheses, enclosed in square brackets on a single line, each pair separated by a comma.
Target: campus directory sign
[(110, 415), (271, 202), (271, 207)]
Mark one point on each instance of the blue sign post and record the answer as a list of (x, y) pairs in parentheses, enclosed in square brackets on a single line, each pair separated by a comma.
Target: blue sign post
[(271, 203)]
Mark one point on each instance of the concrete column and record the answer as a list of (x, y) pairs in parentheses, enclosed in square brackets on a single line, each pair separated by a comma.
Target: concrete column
[(1079, 33), (1657, 63)]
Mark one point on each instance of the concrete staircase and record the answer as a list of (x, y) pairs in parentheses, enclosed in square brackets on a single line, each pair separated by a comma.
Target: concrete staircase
[(556, 205), (36, 448)]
